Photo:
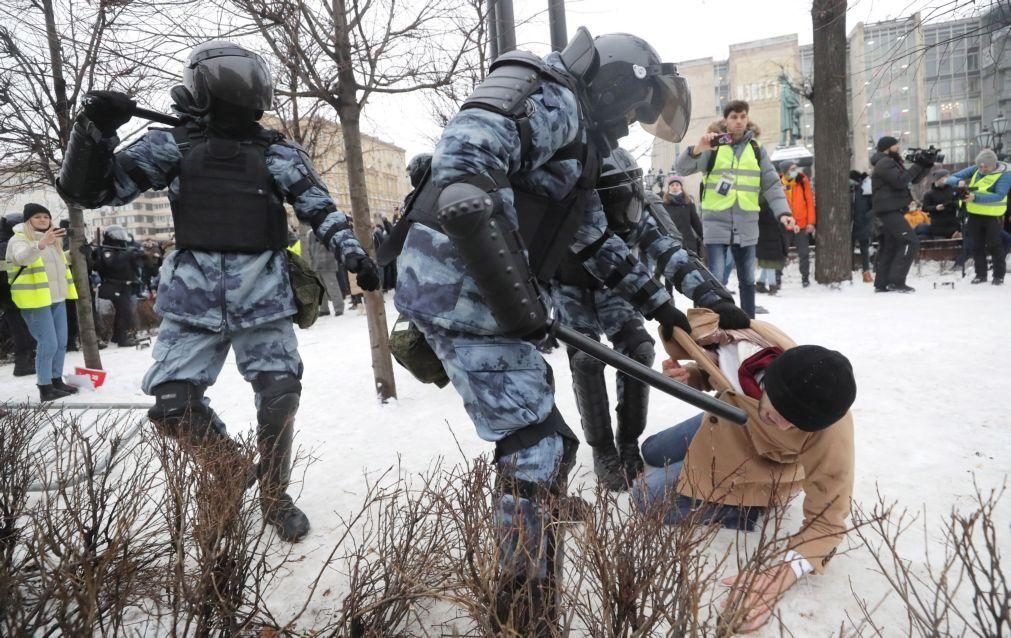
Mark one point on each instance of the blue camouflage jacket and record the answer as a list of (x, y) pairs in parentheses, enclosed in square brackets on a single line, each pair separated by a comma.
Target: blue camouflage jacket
[(432, 280), (218, 291)]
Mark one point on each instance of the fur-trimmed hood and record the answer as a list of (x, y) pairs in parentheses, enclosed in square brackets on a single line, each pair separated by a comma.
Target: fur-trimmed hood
[(720, 126)]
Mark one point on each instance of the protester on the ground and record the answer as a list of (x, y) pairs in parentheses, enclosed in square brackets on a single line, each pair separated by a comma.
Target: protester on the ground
[(862, 219), (772, 249), (988, 183), (897, 243), (800, 196), (941, 203), (41, 284), (736, 172), (798, 437), (680, 205)]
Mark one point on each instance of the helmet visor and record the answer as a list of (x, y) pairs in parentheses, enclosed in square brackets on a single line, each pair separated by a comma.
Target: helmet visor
[(238, 77), (670, 108)]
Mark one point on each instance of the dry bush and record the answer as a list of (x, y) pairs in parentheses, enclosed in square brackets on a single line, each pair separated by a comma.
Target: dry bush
[(962, 592)]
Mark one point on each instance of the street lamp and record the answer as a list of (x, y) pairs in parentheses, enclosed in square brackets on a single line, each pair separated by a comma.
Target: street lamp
[(999, 125), (984, 137)]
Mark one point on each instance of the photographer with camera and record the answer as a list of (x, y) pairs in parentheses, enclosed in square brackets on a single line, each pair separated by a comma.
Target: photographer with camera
[(986, 186), (941, 203), (890, 181)]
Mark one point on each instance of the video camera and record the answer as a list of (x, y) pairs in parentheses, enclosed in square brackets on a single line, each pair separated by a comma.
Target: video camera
[(925, 156), (960, 192)]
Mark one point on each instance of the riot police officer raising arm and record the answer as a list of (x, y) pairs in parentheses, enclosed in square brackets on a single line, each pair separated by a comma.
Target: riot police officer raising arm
[(517, 169), (226, 284)]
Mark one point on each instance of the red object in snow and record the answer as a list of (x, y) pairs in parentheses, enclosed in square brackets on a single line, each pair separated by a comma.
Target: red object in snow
[(97, 376)]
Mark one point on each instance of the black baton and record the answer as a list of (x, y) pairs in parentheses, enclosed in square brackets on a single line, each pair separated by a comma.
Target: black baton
[(647, 375), (155, 116)]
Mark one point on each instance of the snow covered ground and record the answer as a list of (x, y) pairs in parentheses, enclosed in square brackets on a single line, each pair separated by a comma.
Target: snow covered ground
[(933, 371)]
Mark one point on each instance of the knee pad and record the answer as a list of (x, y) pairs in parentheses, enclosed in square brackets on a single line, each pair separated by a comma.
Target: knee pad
[(583, 364), (634, 341), (179, 411), (279, 394)]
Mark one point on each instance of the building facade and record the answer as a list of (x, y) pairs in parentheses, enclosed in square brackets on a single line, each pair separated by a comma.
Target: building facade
[(934, 83)]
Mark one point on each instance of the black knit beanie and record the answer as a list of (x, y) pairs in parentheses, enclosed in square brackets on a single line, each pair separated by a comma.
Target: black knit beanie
[(812, 387), (34, 209), (886, 143)]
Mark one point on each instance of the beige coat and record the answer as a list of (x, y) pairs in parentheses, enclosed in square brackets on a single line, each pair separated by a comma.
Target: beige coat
[(22, 252), (758, 464)]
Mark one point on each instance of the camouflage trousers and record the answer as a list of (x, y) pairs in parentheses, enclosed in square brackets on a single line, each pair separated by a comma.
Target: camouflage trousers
[(506, 386), (186, 353)]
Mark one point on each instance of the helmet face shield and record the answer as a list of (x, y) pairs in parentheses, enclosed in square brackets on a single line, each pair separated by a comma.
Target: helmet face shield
[(230, 74), (670, 108)]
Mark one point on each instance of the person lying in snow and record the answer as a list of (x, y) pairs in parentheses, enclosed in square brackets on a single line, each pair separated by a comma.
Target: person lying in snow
[(798, 437)]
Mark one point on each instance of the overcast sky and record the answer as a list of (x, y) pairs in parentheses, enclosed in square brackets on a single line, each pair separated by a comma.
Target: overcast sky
[(678, 30)]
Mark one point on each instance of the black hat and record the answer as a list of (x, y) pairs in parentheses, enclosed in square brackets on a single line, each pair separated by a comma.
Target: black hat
[(34, 209), (812, 387), (886, 143)]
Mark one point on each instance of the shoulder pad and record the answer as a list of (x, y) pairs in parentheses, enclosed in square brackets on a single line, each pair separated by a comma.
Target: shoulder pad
[(270, 136), (513, 78)]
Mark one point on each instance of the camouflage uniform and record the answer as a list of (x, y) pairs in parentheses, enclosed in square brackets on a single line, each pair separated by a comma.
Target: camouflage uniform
[(505, 383), (219, 298)]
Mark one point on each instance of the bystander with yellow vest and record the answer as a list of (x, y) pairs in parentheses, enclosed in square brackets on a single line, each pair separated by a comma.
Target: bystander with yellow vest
[(41, 284), (737, 176), (988, 183)]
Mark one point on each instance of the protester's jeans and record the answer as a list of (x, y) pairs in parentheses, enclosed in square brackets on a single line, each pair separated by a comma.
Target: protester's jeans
[(767, 276), (744, 257), (49, 327), (666, 451)]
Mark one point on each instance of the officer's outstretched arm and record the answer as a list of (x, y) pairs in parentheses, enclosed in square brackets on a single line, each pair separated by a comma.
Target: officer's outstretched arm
[(608, 258), (302, 187), (679, 266), (94, 175)]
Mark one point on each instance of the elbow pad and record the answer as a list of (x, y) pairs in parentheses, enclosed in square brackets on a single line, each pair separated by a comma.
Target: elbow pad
[(86, 173)]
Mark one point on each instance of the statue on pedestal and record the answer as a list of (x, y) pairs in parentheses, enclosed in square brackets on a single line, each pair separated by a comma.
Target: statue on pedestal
[(789, 112)]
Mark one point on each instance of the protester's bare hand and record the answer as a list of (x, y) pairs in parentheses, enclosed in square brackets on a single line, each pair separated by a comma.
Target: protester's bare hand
[(789, 223), (761, 593), (940, 207), (674, 370), (705, 142), (970, 197), (961, 183), (810, 229)]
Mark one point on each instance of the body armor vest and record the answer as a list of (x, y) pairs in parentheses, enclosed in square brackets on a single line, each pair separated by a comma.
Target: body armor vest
[(228, 201)]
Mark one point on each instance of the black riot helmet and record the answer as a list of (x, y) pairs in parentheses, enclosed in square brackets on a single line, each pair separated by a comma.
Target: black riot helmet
[(631, 84), (116, 236), (418, 166), (621, 191), (7, 224), (221, 72)]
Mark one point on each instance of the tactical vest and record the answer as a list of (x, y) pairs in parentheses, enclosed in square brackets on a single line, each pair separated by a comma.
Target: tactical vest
[(984, 184), (30, 285), (228, 201), (746, 173), (546, 226)]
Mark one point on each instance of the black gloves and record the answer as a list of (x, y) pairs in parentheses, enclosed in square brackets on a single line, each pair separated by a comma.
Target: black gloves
[(108, 110), (668, 316), (731, 317), (366, 271)]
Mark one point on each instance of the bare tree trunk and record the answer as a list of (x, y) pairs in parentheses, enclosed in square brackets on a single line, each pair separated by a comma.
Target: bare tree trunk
[(349, 111), (79, 265), (831, 142)]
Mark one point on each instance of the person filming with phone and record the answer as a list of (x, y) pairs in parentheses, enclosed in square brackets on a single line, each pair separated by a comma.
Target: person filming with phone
[(737, 174), (41, 284)]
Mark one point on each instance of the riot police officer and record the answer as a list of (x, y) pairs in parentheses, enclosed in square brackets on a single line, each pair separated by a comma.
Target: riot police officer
[(226, 284), (119, 262), (585, 304), (517, 168)]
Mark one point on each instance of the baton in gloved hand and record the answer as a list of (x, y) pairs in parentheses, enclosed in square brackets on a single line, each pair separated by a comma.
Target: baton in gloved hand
[(644, 373), (155, 116)]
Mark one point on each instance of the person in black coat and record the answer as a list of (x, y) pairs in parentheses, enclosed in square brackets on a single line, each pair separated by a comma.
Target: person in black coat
[(118, 261), (942, 206), (890, 196), (863, 219), (684, 214), (772, 249)]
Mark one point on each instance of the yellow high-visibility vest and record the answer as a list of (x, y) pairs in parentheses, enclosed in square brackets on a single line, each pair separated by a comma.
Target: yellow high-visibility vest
[(983, 184), (747, 174), (30, 286), (296, 248)]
